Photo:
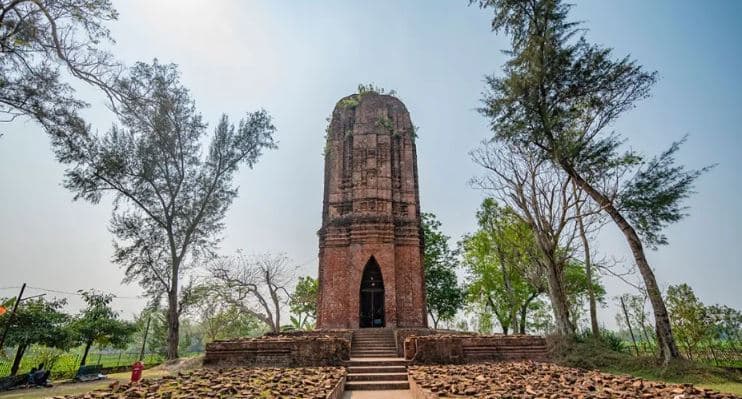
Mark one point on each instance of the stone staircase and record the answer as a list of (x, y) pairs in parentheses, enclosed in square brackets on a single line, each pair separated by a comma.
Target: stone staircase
[(374, 364)]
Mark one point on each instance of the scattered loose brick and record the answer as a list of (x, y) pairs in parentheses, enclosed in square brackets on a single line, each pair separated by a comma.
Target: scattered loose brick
[(312, 383), (527, 379)]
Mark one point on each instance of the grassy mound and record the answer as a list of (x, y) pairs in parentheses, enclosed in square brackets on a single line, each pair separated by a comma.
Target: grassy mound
[(602, 354)]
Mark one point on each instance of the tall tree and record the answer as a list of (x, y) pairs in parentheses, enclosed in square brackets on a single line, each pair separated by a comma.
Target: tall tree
[(257, 285), (587, 259), (726, 323), (559, 96), (303, 301), (223, 321), (443, 295), (41, 39), (541, 196), (580, 288), (501, 258), (37, 321), (688, 317), (638, 317), (169, 199), (99, 324)]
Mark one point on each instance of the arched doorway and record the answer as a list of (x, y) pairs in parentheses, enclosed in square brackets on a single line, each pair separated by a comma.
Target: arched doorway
[(371, 312)]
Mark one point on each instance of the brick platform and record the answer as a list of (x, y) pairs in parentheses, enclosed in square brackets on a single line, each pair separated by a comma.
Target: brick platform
[(305, 350), (469, 348)]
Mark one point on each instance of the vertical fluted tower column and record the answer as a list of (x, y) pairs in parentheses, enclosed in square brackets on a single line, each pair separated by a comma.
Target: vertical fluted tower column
[(370, 218)]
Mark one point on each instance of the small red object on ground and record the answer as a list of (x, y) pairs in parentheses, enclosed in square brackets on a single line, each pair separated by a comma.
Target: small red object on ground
[(136, 371)]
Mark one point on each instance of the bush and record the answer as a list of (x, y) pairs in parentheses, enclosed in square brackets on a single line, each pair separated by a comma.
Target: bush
[(608, 338)]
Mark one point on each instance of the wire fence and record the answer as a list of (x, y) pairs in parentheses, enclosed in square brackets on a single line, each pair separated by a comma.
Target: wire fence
[(66, 364), (720, 354)]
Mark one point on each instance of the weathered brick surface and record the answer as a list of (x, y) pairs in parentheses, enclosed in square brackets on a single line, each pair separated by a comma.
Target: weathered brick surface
[(472, 348), (280, 351), (370, 210)]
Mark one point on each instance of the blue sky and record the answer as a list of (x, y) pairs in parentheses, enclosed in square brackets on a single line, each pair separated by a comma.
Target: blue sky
[(296, 59)]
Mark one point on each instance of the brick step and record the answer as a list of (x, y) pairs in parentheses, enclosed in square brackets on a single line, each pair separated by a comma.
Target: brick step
[(371, 362), (373, 334), (392, 343), (389, 352), (373, 348), (362, 354), (377, 377), (376, 385), (376, 369)]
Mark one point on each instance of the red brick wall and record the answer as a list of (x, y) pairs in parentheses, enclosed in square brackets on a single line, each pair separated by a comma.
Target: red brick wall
[(371, 209)]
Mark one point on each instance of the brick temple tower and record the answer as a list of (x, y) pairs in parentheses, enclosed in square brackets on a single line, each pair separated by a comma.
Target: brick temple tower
[(370, 243)]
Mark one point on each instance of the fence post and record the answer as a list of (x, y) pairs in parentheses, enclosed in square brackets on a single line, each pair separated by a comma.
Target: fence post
[(144, 340), (628, 323)]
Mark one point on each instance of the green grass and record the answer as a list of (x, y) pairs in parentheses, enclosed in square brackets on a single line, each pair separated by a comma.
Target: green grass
[(595, 354), (67, 363), (67, 388), (726, 387)]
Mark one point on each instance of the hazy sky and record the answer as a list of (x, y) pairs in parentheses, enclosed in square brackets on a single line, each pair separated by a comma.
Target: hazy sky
[(296, 59)]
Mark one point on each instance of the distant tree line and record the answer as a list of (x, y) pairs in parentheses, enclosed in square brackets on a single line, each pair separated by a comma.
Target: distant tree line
[(554, 170)]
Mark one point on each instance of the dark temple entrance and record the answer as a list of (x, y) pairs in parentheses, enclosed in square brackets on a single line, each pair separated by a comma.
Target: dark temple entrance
[(372, 296)]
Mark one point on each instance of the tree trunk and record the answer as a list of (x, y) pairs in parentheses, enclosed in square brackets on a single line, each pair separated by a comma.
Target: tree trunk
[(524, 312), (173, 324), (588, 270), (435, 322), (665, 340), (85, 354), (558, 300), (17, 360), (628, 324)]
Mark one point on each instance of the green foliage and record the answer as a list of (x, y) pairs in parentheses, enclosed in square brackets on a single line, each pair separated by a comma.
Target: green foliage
[(44, 40), (353, 100), (229, 322), (443, 294), (38, 321), (639, 318), (99, 324), (726, 323), (597, 354), (687, 317), (558, 96), (500, 259), (608, 338), (170, 196), (372, 88), (577, 288), (386, 123), (652, 198), (303, 303)]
